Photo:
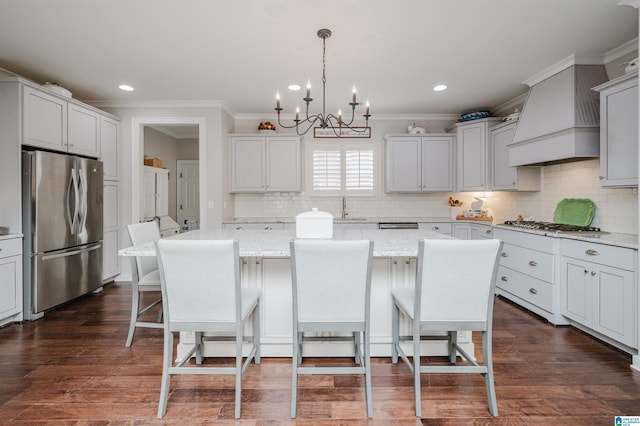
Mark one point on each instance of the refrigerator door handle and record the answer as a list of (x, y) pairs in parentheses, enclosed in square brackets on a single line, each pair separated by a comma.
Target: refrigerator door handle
[(71, 216), (71, 253), (82, 204)]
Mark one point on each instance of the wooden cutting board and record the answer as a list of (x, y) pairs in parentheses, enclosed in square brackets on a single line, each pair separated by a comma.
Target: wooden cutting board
[(481, 219)]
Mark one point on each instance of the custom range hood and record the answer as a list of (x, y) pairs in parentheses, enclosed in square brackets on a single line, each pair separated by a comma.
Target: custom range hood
[(560, 120)]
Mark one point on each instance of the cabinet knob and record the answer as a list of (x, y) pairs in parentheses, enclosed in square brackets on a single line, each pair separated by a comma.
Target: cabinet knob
[(436, 228), (489, 231), (504, 254), (238, 228), (268, 228), (593, 273), (533, 291), (592, 252), (504, 278), (600, 177), (533, 263)]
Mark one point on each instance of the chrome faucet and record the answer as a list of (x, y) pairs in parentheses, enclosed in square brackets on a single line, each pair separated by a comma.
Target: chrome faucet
[(344, 208)]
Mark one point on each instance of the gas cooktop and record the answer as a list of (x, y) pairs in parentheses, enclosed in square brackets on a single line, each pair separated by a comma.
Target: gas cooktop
[(552, 227)]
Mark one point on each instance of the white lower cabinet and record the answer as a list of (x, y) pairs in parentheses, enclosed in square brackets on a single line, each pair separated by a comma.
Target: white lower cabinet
[(472, 231), (527, 273), (267, 226), (10, 280), (599, 290)]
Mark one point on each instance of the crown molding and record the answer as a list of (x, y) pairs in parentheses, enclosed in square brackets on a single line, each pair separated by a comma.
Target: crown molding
[(632, 3), (624, 49), (158, 104), (573, 59)]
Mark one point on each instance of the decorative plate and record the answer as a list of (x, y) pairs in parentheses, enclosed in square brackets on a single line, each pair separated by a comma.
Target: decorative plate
[(575, 211), (475, 115)]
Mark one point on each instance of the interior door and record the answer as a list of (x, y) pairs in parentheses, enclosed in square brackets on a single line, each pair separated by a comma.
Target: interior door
[(188, 192)]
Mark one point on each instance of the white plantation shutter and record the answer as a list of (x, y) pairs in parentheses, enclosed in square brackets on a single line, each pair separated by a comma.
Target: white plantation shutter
[(359, 170), (342, 169), (326, 170)]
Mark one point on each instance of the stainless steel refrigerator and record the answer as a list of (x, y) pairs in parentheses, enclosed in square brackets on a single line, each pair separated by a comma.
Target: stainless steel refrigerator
[(62, 225)]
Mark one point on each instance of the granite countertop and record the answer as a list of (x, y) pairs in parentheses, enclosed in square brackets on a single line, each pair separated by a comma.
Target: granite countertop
[(608, 238), (275, 243), (10, 236), (350, 220)]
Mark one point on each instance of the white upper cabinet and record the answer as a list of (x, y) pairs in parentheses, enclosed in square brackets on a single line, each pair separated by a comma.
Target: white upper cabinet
[(83, 130), (420, 163), (504, 177), (109, 146), (472, 140), (619, 131), (44, 121), (58, 124), (264, 163)]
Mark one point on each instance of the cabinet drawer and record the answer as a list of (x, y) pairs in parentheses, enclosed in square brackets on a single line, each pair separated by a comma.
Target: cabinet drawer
[(532, 290), (616, 257), (11, 247), (441, 227), (531, 262), (524, 239)]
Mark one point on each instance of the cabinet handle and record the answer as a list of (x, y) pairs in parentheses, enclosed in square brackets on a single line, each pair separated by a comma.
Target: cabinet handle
[(395, 262), (504, 278), (593, 273), (488, 232), (407, 262), (504, 254), (600, 177), (533, 291), (586, 272), (591, 252), (268, 228), (238, 228), (533, 263), (436, 228)]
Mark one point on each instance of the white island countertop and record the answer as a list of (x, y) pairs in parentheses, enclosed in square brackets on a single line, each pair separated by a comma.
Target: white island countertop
[(275, 243)]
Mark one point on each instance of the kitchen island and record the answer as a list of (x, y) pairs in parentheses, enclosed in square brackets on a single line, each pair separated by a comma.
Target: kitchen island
[(266, 265)]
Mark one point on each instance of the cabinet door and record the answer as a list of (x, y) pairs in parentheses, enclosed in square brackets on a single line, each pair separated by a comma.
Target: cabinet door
[(479, 231), (109, 146), (83, 131), (282, 164), (462, 231), (247, 164), (576, 291), (472, 157), (615, 314), (503, 176), (110, 258), (437, 164), (110, 205), (44, 122), (404, 164), (162, 193), (619, 137), (149, 193), (276, 300), (10, 278)]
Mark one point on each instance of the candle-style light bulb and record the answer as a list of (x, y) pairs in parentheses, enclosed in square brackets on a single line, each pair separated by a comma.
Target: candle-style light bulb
[(353, 93), (297, 113), (366, 111), (277, 99), (308, 88), (340, 116)]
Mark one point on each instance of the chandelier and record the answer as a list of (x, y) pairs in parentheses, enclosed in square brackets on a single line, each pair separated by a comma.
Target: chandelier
[(331, 122)]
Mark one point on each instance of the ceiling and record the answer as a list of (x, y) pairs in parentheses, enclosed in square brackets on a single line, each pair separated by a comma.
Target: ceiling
[(239, 52)]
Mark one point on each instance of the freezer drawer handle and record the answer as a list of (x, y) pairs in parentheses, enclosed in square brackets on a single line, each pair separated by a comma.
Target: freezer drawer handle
[(591, 252), (70, 253)]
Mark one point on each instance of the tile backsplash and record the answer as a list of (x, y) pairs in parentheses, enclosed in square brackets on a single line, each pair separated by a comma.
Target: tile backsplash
[(616, 209)]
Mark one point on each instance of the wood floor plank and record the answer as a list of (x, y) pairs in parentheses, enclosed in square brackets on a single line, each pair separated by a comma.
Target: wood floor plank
[(71, 367)]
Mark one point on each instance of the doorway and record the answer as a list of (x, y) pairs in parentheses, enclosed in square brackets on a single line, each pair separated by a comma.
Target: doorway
[(137, 143)]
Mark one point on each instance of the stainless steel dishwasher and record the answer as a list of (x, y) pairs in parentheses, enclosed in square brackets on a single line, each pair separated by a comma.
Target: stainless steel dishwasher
[(397, 225)]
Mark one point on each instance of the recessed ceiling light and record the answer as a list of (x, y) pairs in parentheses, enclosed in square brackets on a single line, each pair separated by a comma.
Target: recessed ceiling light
[(440, 88), (126, 88), (294, 87)]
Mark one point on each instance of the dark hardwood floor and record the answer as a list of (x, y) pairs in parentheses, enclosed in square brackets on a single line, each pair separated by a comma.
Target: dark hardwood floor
[(71, 367)]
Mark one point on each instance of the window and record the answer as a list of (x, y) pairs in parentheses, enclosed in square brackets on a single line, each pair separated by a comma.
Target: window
[(341, 169)]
